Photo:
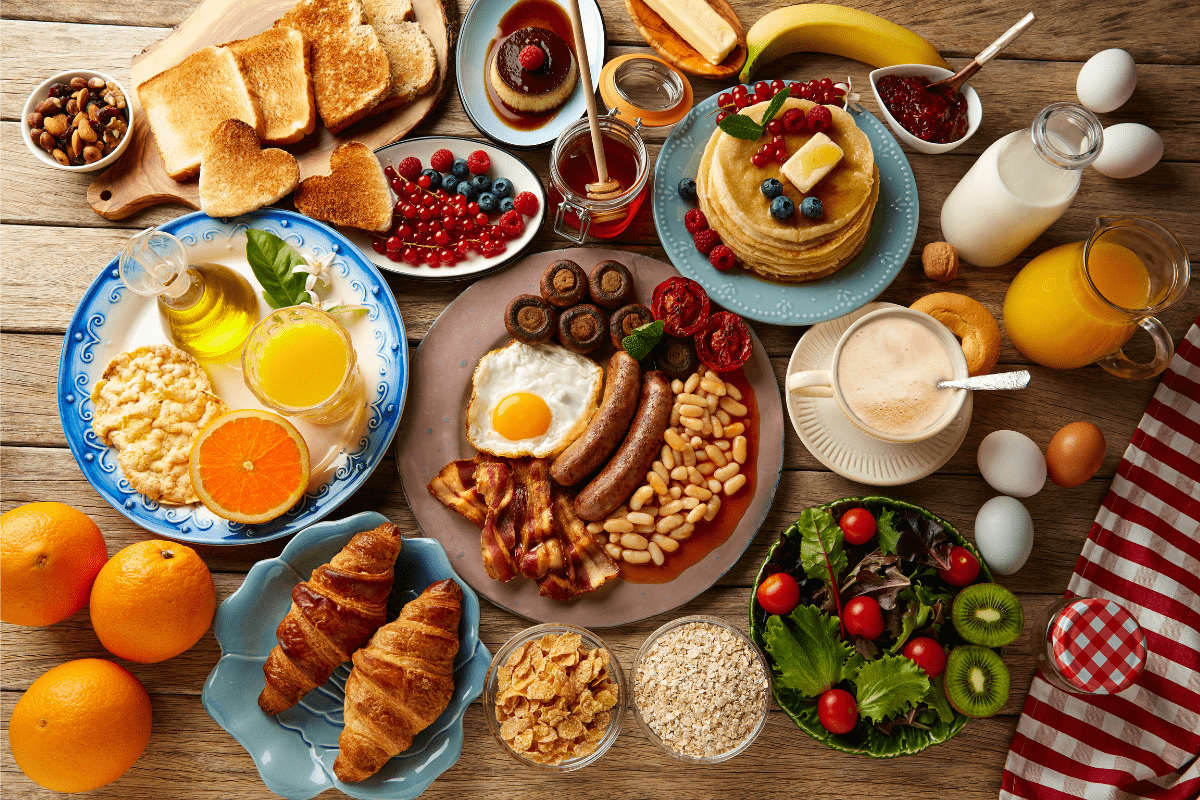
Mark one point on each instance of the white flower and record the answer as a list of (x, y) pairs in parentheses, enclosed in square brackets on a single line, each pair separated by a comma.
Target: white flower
[(319, 270), (851, 97)]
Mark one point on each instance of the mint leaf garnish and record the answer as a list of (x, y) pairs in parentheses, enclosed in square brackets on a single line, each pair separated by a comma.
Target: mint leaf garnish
[(642, 340), (741, 126), (809, 656), (888, 686), (774, 106), (274, 261)]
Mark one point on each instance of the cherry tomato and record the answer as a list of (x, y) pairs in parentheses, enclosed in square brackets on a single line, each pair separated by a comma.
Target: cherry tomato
[(964, 567), (858, 526), (779, 593), (926, 654), (837, 711), (863, 617), (724, 343)]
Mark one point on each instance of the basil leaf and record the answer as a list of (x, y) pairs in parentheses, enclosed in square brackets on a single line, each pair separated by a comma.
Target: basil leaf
[(740, 126), (773, 108), (642, 340), (273, 262)]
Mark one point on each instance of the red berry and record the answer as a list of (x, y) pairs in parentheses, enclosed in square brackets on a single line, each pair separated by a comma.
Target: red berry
[(411, 255), (775, 127), (424, 181), (389, 172), (478, 162), (446, 256), (410, 168), (808, 91), (739, 89), (762, 87), (409, 211), (794, 88), (441, 160), (762, 97), (481, 218), (826, 84), (378, 246), (694, 220), (722, 116), (404, 231), (722, 258), (706, 240), (431, 257), (777, 86), (410, 189), (819, 119), (724, 100), (781, 154), (793, 121), (425, 214), (759, 160), (778, 141), (526, 203), (442, 238), (511, 224), (394, 243), (741, 100), (473, 208), (532, 57)]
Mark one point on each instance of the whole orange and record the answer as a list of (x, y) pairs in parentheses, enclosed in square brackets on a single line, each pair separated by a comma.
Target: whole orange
[(49, 556), (80, 726), (152, 601)]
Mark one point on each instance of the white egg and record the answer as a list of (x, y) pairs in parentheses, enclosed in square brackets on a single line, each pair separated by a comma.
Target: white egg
[(1106, 81), (1012, 463), (1129, 149), (1004, 534), (531, 400)]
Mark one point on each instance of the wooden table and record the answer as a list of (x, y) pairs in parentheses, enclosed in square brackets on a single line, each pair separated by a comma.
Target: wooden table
[(53, 246)]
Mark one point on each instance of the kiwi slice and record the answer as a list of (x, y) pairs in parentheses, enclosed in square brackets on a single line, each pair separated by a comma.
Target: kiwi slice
[(987, 614), (976, 681)]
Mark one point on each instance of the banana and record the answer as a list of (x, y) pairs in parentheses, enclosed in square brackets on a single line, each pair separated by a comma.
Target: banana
[(840, 31)]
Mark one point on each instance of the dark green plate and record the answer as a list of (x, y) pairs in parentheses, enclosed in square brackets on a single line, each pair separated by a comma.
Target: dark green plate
[(905, 740)]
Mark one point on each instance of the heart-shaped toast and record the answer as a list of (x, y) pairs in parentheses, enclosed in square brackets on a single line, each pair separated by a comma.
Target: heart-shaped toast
[(354, 194), (237, 176)]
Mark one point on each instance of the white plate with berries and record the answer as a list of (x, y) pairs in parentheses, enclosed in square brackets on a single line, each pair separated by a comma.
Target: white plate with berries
[(484, 222)]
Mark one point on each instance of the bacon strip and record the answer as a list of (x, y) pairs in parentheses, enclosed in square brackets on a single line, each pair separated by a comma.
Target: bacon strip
[(455, 487), (494, 480)]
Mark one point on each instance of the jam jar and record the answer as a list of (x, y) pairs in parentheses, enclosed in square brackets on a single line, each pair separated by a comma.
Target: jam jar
[(573, 167), (1088, 645)]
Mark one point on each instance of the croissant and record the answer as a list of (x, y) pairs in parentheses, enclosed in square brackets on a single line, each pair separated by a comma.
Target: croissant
[(333, 614), (401, 682)]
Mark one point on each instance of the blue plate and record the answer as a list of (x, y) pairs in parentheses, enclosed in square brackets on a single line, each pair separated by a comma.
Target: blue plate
[(110, 319), (893, 230), (478, 29), (295, 750)]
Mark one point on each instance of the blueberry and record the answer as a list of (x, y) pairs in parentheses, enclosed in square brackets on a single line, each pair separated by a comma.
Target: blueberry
[(487, 202), (687, 189), (502, 187), (482, 183), (467, 190), (435, 179), (449, 182), (459, 168), (811, 208), (506, 205), (782, 207), (771, 188)]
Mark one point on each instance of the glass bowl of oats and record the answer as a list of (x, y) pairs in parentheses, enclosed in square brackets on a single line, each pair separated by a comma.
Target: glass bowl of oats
[(701, 690), (555, 697)]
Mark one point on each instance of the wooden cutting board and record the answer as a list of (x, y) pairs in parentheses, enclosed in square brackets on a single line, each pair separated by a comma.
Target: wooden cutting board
[(139, 179)]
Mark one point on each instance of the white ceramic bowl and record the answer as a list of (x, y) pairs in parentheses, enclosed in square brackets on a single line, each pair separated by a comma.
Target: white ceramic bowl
[(43, 91), (974, 106)]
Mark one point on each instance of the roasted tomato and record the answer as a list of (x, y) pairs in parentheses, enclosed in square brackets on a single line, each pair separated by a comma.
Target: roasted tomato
[(681, 304), (724, 343)]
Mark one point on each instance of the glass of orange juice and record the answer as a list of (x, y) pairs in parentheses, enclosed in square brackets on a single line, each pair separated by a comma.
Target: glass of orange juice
[(1079, 303), (300, 362)]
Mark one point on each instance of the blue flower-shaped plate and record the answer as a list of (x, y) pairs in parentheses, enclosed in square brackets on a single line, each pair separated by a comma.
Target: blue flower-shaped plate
[(111, 320), (295, 750), (893, 231)]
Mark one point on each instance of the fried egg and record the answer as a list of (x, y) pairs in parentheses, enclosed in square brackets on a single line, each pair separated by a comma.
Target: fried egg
[(531, 400)]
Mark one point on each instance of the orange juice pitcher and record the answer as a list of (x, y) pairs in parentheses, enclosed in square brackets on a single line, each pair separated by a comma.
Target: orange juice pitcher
[(1078, 304)]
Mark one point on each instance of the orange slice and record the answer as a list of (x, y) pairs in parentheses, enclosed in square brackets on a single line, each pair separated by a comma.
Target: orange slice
[(249, 466)]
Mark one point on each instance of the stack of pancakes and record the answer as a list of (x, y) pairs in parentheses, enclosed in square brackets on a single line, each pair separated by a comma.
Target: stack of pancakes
[(797, 249)]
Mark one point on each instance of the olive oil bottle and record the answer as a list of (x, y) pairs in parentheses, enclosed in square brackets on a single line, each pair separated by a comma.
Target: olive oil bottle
[(208, 309)]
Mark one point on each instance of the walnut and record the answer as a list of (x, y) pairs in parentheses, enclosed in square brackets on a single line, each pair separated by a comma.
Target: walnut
[(940, 260)]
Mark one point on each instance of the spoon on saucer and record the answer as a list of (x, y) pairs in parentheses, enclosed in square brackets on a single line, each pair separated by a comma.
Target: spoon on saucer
[(999, 380)]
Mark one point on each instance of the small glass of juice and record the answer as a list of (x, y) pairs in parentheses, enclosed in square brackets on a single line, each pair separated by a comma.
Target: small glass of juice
[(300, 362)]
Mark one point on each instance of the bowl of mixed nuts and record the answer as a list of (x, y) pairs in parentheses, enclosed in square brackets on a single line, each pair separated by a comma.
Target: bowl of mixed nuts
[(77, 120)]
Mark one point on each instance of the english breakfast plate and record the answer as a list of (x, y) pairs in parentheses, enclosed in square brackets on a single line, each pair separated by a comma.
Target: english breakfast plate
[(433, 434), (111, 320)]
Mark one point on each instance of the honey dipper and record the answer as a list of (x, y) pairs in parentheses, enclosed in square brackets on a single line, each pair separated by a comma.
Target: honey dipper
[(607, 187)]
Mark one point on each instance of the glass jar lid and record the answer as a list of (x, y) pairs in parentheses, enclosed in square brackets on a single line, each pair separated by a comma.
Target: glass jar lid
[(1097, 645), (647, 88)]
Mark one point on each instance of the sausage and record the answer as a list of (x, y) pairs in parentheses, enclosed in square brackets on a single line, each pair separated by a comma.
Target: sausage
[(586, 454), (627, 469)]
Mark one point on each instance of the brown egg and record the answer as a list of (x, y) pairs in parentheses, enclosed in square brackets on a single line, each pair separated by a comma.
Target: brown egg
[(1075, 454)]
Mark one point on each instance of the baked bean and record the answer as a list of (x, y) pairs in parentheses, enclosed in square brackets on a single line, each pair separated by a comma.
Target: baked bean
[(734, 483), (733, 391), (733, 407), (673, 438), (677, 386), (701, 493), (661, 469), (657, 483), (716, 455), (595, 527), (735, 430), (706, 469), (689, 456), (697, 443), (714, 505), (636, 556), (668, 524), (667, 456), (689, 399), (713, 387), (692, 382), (639, 518), (713, 403), (739, 449), (665, 543), (680, 473), (724, 445), (644, 530), (707, 429), (674, 416), (718, 427), (640, 498), (695, 477), (691, 411), (667, 509), (701, 455), (613, 550), (728, 471), (633, 541), (723, 415), (683, 531), (675, 492), (657, 554), (690, 502), (697, 513), (618, 525), (614, 538), (714, 485), (691, 423)]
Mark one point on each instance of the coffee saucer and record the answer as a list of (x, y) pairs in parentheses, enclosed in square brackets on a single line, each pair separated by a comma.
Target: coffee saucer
[(842, 446)]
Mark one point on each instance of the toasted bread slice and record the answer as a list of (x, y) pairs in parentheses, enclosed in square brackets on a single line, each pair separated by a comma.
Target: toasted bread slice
[(355, 193), (410, 53), (351, 73), (185, 103), (277, 66), (237, 177)]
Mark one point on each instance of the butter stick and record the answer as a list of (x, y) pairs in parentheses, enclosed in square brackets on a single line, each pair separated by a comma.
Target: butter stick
[(700, 26)]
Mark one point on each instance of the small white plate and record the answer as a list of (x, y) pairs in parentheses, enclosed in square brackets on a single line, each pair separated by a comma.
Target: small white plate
[(841, 445)]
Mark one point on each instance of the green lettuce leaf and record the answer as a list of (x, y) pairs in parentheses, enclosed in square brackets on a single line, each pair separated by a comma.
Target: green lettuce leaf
[(274, 261), (888, 686), (885, 527), (821, 553), (809, 655), (936, 699)]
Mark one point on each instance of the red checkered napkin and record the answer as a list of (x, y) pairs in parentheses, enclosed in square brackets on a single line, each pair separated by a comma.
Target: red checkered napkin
[(1143, 552), (1098, 646)]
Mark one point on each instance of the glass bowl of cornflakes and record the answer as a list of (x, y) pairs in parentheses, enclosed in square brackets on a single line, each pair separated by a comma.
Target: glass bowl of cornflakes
[(555, 697)]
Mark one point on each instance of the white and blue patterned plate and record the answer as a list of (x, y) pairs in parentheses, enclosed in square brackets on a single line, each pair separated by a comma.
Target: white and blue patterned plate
[(111, 320), (295, 750), (893, 231)]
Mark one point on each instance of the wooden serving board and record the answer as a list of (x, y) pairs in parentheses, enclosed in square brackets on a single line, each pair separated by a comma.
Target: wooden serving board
[(139, 178), (671, 46)]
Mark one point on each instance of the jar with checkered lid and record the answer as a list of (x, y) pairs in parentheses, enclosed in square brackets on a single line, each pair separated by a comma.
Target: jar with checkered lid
[(1087, 645)]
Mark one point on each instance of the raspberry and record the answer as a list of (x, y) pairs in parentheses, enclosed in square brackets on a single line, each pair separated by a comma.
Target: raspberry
[(532, 57), (410, 168), (526, 203), (722, 258), (441, 160), (706, 240), (695, 221), (819, 119), (478, 162), (793, 121), (511, 224)]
